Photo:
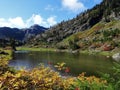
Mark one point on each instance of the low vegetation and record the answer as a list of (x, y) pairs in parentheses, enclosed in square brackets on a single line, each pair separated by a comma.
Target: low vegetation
[(35, 49), (101, 37), (44, 78), (90, 83)]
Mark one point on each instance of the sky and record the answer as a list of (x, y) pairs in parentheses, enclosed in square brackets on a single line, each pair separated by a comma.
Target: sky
[(24, 13)]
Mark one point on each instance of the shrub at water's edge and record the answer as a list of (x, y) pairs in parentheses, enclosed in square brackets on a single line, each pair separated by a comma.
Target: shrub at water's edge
[(90, 83)]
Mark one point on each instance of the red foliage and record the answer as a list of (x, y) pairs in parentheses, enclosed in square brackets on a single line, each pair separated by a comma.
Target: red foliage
[(49, 63), (107, 48), (67, 70), (77, 88)]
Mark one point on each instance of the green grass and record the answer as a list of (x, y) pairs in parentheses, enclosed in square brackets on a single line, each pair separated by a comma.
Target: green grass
[(35, 49), (10, 52), (103, 53), (7, 57)]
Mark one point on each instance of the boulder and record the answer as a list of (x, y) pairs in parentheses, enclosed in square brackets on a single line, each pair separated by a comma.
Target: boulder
[(116, 57)]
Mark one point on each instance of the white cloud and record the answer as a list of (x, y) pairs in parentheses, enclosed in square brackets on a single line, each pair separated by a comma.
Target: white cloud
[(73, 5), (37, 19), (49, 8), (34, 19), (51, 21), (3, 22), (16, 22)]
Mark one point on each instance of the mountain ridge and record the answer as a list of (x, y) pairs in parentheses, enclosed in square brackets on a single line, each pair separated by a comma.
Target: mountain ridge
[(21, 34)]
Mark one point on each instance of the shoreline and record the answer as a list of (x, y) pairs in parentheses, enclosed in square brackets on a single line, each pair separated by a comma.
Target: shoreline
[(89, 52)]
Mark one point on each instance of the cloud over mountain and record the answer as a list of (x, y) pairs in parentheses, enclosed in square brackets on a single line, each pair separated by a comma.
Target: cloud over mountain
[(73, 5), (34, 19)]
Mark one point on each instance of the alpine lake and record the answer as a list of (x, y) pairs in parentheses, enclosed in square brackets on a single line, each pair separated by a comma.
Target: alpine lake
[(77, 63)]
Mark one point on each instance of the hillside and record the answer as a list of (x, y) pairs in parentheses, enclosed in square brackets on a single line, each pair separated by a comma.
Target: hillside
[(102, 37), (106, 11)]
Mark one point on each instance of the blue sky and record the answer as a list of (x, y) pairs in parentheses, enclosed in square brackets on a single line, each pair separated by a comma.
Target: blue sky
[(24, 13)]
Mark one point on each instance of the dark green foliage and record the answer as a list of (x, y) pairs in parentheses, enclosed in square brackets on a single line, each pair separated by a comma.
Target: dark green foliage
[(61, 46), (116, 76), (2, 42), (90, 83), (114, 79), (73, 45), (111, 32), (12, 44)]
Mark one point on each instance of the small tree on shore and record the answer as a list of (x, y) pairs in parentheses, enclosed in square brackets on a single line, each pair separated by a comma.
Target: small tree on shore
[(12, 44)]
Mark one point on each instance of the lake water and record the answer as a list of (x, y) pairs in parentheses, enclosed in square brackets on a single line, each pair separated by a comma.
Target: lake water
[(91, 64)]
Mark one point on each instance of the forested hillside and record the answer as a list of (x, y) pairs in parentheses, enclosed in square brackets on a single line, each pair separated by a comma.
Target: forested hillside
[(105, 12)]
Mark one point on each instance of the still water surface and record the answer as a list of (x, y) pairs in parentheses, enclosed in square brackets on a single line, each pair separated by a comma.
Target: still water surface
[(77, 63)]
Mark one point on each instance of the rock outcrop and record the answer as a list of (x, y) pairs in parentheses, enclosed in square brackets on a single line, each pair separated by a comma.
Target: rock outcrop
[(116, 57)]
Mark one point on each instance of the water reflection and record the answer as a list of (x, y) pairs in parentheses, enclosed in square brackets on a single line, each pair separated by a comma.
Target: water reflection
[(76, 62)]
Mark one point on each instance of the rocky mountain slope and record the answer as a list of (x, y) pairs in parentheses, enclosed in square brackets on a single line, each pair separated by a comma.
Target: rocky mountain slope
[(106, 11), (103, 36), (33, 31)]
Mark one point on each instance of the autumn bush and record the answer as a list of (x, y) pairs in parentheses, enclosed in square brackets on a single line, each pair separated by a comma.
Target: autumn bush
[(41, 78), (83, 82)]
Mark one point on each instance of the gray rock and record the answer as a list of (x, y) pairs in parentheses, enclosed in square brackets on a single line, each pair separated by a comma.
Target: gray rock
[(116, 57)]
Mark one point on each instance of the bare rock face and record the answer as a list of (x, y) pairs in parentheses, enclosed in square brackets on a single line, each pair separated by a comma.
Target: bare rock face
[(116, 57), (33, 31)]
